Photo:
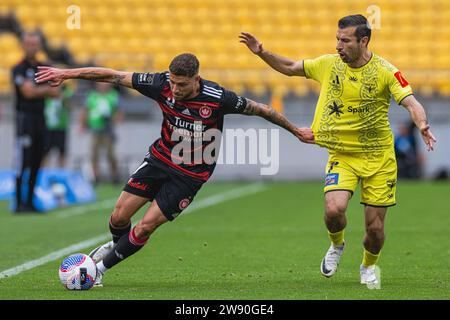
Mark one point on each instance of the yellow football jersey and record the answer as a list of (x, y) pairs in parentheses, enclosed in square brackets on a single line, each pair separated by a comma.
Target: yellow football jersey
[(352, 111)]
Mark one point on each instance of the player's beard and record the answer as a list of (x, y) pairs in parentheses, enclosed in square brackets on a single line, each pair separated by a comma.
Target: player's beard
[(350, 57)]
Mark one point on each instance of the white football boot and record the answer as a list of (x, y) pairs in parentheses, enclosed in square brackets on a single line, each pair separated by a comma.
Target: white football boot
[(99, 253), (330, 262), (371, 276)]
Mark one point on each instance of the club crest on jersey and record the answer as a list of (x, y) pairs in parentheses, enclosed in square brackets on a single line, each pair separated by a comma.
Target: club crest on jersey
[(331, 179), (205, 112), (184, 204)]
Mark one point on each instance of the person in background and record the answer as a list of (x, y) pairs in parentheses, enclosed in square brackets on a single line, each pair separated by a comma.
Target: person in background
[(57, 112), (30, 121), (409, 160), (100, 115)]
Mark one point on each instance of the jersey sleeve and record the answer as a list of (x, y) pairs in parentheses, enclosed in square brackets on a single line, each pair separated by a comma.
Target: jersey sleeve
[(232, 103), (398, 85), (315, 68), (149, 84)]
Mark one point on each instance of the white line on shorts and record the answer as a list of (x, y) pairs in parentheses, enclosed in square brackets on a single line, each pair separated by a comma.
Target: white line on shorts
[(210, 201)]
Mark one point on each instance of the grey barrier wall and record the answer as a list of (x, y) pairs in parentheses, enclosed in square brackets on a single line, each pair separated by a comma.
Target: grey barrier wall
[(291, 161)]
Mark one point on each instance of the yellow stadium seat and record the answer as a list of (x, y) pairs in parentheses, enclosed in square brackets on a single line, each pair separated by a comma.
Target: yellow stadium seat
[(415, 38)]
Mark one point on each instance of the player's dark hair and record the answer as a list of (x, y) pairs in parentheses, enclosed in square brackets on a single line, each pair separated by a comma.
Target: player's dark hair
[(360, 22), (185, 64)]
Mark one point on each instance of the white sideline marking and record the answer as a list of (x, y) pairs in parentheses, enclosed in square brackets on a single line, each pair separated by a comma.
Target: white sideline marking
[(75, 211), (210, 201), (53, 256), (228, 195)]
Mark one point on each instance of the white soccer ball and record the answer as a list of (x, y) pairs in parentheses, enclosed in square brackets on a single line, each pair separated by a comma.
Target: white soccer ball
[(78, 272)]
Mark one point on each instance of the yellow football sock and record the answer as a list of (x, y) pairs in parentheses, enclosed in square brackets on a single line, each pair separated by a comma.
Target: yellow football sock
[(369, 259), (337, 238)]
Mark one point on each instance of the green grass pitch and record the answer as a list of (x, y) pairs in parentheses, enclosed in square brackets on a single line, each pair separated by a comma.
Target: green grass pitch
[(264, 245)]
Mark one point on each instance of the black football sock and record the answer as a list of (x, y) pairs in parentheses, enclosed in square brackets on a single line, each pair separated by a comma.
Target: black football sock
[(126, 246), (118, 232)]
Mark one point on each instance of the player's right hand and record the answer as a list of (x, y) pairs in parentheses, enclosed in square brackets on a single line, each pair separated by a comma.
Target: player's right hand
[(428, 137), (252, 43), (305, 135), (53, 76)]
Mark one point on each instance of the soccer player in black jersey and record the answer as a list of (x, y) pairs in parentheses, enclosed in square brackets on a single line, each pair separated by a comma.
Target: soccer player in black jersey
[(191, 106), (30, 121)]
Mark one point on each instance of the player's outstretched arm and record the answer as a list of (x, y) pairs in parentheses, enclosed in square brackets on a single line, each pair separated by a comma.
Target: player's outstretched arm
[(419, 117), (55, 76), (259, 109), (283, 65)]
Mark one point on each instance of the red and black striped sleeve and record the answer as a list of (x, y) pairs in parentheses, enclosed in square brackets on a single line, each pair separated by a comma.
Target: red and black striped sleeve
[(232, 103), (149, 84)]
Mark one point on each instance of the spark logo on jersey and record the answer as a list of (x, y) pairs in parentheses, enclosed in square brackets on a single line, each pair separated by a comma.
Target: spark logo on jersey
[(336, 109), (400, 79)]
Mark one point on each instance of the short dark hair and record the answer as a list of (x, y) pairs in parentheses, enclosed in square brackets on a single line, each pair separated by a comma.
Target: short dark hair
[(185, 64), (360, 22)]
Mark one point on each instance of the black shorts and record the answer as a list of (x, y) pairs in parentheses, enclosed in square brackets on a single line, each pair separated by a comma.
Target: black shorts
[(156, 181), (56, 139)]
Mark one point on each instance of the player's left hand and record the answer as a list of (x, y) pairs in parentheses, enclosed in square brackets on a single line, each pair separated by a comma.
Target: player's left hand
[(428, 137), (305, 135)]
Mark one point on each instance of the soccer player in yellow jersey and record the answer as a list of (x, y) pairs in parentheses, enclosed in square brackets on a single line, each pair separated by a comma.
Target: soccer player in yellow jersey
[(351, 121)]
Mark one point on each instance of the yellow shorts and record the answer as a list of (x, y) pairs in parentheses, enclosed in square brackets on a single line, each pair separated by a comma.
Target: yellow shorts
[(376, 171)]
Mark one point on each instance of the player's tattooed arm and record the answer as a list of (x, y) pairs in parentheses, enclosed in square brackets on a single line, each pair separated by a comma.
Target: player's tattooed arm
[(55, 76), (259, 109)]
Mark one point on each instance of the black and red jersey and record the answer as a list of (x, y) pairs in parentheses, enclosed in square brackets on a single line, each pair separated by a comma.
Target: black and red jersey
[(186, 123)]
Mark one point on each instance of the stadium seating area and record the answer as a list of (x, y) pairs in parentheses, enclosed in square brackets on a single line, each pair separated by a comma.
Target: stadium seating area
[(144, 35)]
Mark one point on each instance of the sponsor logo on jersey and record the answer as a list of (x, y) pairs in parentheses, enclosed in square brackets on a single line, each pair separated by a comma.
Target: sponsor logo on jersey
[(186, 112), (239, 103), (336, 109), (391, 183), (400, 79), (138, 185), (146, 78), (364, 109), (332, 165), (331, 179), (170, 102)]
